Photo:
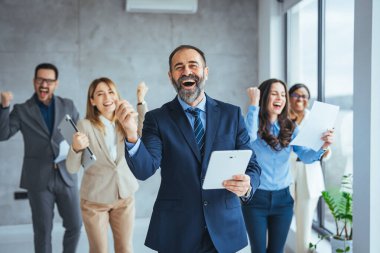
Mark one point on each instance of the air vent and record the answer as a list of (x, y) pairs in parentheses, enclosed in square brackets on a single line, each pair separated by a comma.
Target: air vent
[(162, 6)]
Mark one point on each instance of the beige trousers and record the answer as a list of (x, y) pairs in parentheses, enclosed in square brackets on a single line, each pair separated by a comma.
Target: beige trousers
[(119, 215)]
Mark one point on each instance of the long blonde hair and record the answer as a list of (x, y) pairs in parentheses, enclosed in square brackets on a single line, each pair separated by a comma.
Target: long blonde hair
[(92, 112)]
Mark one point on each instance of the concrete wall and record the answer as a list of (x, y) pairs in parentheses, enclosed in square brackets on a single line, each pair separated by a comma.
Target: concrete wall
[(87, 39)]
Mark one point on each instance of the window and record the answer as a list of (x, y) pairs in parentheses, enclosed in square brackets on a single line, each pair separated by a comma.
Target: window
[(339, 49), (320, 54), (302, 48)]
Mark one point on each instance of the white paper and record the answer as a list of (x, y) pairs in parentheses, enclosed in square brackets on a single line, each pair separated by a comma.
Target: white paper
[(63, 151), (321, 118), (225, 164)]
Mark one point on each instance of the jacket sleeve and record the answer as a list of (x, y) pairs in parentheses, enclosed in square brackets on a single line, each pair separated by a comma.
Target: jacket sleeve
[(10, 123), (243, 142)]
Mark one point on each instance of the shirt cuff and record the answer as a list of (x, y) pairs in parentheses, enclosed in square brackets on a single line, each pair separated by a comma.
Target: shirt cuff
[(132, 147), (247, 196), (321, 152)]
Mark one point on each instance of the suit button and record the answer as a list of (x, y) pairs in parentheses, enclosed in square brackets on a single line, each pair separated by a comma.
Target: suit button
[(205, 203)]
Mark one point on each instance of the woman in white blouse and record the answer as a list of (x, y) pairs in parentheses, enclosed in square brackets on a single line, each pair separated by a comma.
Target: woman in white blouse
[(308, 178), (108, 185)]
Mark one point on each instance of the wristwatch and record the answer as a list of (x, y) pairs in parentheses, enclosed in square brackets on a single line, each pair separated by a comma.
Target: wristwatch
[(248, 193)]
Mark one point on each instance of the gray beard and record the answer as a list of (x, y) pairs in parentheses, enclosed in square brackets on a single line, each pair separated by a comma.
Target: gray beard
[(189, 96)]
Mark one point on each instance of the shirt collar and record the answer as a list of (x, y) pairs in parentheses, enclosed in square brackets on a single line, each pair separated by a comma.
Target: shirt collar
[(275, 127), (106, 122), (201, 106)]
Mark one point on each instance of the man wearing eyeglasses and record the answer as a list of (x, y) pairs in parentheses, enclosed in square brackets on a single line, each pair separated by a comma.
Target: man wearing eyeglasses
[(44, 173)]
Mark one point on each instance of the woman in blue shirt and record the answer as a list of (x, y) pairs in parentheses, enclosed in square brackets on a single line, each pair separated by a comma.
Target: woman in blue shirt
[(269, 213)]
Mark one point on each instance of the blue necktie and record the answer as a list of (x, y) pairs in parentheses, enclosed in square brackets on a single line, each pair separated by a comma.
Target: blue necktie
[(199, 130)]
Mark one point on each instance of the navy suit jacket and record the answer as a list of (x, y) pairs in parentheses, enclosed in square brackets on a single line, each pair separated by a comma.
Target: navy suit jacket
[(183, 210)]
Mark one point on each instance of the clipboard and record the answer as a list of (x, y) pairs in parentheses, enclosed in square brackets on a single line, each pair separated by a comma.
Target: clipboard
[(67, 128), (223, 165)]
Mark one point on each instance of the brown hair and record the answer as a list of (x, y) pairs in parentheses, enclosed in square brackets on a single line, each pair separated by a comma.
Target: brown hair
[(181, 47), (286, 125), (92, 112)]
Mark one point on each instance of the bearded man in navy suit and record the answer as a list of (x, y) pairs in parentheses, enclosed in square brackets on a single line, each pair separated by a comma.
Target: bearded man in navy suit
[(185, 217)]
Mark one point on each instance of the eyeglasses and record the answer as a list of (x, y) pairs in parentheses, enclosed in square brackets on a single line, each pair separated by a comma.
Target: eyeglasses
[(297, 96), (40, 81)]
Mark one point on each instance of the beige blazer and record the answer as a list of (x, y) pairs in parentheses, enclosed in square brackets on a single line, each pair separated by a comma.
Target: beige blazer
[(106, 180)]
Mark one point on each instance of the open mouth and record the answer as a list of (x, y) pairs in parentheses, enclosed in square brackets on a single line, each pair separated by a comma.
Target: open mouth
[(108, 104), (43, 92), (188, 83), (277, 106)]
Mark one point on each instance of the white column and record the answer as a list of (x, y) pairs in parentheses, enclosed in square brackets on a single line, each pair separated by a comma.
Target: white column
[(367, 126), (271, 40)]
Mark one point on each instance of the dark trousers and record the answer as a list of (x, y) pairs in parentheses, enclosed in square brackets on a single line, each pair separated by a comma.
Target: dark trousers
[(268, 212), (42, 205)]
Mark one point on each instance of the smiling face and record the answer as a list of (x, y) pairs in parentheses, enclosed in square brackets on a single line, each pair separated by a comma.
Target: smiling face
[(188, 74), (299, 100), (276, 100), (104, 99), (45, 84)]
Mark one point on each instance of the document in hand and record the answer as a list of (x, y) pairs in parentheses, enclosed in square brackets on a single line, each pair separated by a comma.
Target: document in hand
[(322, 117), (223, 165), (67, 128)]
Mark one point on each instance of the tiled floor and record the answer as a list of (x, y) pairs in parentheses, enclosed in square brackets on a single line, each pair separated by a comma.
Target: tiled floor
[(19, 239)]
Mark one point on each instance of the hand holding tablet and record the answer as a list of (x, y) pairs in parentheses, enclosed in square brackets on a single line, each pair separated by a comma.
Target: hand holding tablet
[(223, 165)]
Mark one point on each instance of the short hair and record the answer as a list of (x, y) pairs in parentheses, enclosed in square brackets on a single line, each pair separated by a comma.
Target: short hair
[(46, 66), (181, 47), (299, 86)]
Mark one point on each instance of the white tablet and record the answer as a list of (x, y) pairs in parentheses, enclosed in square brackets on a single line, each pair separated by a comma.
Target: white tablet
[(223, 165)]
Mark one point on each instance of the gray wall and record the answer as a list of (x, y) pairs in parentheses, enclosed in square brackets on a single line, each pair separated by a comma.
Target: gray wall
[(87, 39)]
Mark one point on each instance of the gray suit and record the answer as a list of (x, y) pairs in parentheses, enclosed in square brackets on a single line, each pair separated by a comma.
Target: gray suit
[(46, 182)]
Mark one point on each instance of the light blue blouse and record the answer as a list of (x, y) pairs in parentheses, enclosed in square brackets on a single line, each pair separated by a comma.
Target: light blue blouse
[(275, 174)]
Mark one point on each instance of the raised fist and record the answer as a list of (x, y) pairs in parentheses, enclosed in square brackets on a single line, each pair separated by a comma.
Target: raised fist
[(6, 98), (142, 89), (127, 117), (254, 95)]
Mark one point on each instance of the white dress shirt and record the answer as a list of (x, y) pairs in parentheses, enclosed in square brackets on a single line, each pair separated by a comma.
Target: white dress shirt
[(110, 136)]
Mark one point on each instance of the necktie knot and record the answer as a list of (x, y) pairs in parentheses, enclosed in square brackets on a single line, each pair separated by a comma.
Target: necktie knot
[(194, 111)]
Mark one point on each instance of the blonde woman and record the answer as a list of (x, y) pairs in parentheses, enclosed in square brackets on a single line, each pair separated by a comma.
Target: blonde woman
[(108, 186)]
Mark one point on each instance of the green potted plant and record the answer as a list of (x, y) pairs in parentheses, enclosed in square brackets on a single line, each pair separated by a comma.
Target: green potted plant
[(339, 202)]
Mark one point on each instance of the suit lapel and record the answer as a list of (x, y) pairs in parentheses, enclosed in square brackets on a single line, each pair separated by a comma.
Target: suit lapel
[(35, 111), (179, 117), (212, 124), (57, 114)]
